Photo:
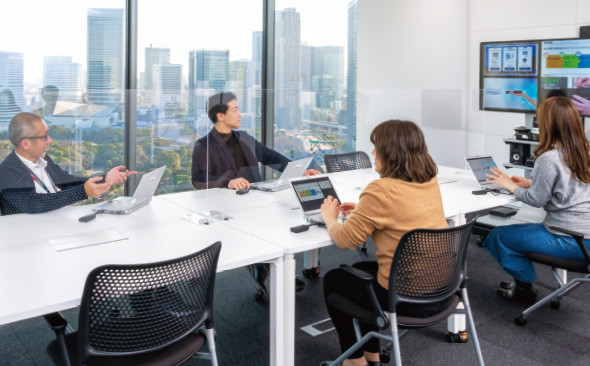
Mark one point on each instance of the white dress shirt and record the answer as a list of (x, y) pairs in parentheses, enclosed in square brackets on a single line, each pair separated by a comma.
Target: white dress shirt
[(39, 168)]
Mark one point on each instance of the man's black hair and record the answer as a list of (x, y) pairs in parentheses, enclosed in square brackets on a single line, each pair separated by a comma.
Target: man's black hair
[(218, 104)]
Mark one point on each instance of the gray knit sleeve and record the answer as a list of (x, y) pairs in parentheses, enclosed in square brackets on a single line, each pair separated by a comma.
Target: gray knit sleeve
[(544, 177)]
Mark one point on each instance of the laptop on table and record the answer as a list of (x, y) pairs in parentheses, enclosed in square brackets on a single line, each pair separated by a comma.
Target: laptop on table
[(294, 169), (311, 192), (142, 196), (482, 165)]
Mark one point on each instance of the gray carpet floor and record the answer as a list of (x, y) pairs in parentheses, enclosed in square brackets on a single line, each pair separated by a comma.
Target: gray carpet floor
[(551, 337)]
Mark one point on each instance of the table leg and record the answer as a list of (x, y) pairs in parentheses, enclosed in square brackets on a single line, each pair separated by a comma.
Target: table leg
[(289, 312), (277, 312)]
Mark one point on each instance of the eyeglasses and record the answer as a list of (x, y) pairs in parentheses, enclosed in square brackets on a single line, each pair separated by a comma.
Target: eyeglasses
[(44, 137)]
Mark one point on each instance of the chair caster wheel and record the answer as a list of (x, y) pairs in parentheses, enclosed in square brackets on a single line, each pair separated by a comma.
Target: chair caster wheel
[(311, 272), (384, 356), (460, 337), (480, 240), (260, 296), (520, 321), (554, 304)]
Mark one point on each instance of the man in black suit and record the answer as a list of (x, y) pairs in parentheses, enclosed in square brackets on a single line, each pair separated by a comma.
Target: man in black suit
[(30, 182)]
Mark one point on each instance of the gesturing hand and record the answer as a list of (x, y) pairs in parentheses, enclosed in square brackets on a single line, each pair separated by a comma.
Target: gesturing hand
[(347, 207), (94, 189), (502, 179), (115, 176), (330, 210)]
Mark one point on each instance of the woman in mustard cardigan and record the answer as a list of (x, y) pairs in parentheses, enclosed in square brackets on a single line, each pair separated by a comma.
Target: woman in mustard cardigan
[(406, 197)]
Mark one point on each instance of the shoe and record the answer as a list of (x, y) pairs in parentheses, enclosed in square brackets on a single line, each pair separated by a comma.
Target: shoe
[(517, 293), (373, 363), (299, 284)]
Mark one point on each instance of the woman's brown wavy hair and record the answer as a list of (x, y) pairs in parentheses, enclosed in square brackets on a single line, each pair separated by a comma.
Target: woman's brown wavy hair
[(402, 152), (560, 126)]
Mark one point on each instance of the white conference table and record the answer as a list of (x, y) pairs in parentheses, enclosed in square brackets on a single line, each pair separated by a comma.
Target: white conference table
[(269, 215), (37, 280)]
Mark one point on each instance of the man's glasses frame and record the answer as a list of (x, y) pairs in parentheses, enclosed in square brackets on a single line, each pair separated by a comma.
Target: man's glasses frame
[(44, 137)]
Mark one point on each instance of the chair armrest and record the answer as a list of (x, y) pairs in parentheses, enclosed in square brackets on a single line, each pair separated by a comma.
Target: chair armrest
[(382, 319), (56, 321), (579, 239)]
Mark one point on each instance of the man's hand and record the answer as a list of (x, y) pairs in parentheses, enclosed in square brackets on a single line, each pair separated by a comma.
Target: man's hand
[(94, 189), (309, 172), (347, 207), (238, 183), (330, 211), (115, 176)]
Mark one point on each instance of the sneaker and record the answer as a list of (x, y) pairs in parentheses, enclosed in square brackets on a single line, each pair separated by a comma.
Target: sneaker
[(517, 293), (299, 284)]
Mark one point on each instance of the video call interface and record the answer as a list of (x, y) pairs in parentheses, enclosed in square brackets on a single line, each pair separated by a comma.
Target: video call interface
[(312, 192), (481, 167)]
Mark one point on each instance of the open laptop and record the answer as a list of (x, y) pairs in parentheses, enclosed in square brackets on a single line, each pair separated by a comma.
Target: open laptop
[(482, 165), (311, 192), (142, 196), (294, 169)]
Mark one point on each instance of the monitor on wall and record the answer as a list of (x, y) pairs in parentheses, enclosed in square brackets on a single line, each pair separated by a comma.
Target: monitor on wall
[(509, 76)]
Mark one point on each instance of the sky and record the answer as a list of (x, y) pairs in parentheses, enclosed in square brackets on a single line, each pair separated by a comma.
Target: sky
[(40, 28)]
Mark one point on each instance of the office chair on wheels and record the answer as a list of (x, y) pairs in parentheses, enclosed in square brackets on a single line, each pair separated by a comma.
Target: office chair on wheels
[(428, 268), (349, 161), (581, 266), (145, 314)]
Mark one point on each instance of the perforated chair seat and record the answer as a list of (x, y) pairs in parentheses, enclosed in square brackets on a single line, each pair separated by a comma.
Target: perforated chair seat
[(174, 354)]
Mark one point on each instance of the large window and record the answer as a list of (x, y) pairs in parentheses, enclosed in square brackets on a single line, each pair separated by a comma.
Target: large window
[(315, 78), (203, 49), (65, 62)]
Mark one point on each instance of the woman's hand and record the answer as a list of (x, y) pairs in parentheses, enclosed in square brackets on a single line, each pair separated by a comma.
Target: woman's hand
[(502, 179), (347, 207), (521, 181), (330, 210)]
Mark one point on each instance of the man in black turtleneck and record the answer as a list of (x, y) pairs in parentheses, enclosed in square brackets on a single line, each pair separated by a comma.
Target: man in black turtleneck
[(227, 158)]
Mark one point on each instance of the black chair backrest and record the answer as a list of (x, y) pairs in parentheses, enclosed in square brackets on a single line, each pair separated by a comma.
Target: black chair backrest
[(428, 265), (347, 161), (135, 309)]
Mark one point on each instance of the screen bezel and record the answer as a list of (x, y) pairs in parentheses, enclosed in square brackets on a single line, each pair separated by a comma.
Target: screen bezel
[(310, 179)]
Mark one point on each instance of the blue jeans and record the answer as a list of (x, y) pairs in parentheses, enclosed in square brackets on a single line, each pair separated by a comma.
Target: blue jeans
[(509, 245)]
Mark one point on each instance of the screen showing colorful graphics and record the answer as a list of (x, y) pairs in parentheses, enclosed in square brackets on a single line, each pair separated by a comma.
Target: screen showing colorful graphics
[(565, 70), (312, 191), (508, 77)]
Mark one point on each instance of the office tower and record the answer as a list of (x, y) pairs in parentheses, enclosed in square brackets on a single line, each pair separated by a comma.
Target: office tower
[(168, 85), (255, 68), (11, 86), (238, 84), (287, 63), (65, 75), (351, 77), (207, 69), (154, 58), (307, 67), (105, 56), (329, 66)]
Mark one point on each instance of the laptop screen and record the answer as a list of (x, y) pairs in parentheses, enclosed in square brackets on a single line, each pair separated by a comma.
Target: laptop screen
[(480, 166), (312, 192)]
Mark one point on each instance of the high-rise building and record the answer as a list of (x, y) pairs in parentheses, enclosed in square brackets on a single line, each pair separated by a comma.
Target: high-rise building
[(307, 67), (154, 57), (351, 77), (168, 84), (287, 68), (329, 63), (105, 56), (238, 71), (255, 68), (65, 75), (11, 86), (207, 69)]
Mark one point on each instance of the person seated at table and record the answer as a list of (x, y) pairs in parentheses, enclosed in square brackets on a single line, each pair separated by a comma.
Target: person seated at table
[(406, 197), (560, 183), (227, 157), (30, 182)]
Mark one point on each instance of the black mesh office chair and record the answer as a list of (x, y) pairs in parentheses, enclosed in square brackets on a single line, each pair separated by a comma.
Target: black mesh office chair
[(580, 266), (349, 161), (143, 314), (428, 268)]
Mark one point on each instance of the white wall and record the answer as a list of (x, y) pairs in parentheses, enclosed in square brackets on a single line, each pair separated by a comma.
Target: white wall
[(411, 64), (505, 20)]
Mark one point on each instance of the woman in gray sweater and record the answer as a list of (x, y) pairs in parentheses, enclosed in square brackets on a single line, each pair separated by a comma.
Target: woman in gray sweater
[(560, 183)]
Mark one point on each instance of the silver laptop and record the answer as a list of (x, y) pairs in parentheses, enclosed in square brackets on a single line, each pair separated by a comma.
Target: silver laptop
[(482, 165), (294, 169), (142, 196), (311, 192)]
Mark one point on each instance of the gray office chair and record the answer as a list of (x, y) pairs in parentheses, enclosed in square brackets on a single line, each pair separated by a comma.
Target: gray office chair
[(428, 268), (349, 161), (580, 266), (145, 314)]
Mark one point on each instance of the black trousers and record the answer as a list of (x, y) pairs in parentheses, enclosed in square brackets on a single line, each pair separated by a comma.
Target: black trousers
[(339, 281)]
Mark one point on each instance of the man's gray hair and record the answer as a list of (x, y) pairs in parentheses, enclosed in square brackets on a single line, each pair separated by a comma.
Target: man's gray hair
[(22, 126)]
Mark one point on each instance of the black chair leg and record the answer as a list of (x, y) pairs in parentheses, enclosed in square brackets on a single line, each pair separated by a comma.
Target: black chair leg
[(58, 324)]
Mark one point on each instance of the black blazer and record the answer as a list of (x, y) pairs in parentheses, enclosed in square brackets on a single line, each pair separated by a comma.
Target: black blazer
[(217, 167), (17, 188)]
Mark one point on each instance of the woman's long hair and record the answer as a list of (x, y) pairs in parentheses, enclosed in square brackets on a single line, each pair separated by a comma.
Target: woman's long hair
[(560, 126), (402, 152)]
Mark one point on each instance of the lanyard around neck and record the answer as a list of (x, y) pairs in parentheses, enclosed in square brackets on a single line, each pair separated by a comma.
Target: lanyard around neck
[(40, 182)]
